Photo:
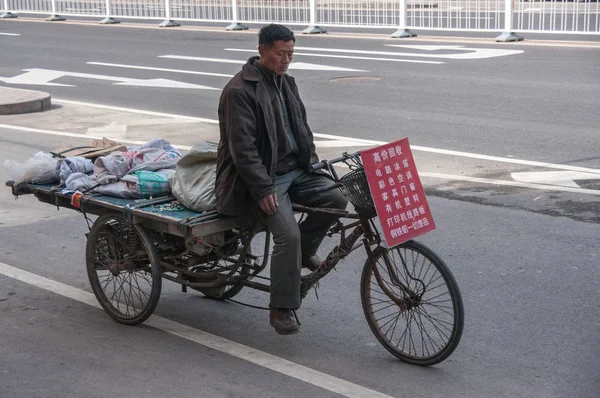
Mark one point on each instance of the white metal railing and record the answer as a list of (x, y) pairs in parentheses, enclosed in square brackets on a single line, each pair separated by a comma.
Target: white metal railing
[(29, 6), (359, 13), (470, 15), (80, 8), (290, 12), (564, 16), (557, 16), (139, 9), (202, 10)]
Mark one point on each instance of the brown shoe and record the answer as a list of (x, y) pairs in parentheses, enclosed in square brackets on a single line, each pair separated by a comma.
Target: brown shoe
[(283, 320), (311, 262)]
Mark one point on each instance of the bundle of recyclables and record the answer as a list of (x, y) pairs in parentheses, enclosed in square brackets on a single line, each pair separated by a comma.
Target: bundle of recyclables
[(106, 167)]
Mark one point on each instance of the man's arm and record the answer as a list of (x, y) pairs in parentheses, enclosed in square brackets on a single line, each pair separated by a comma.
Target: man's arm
[(241, 124)]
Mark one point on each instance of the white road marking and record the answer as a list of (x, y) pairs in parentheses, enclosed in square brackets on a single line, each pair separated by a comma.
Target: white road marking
[(64, 133), (426, 47), (44, 77), (9, 34), (41, 77), (217, 343), (466, 154), (318, 144), (191, 72), (190, 58), (355, 142), (346, 57), (473, 53), (366, 142), (337, 144), (510, 183), (293, 65), (562, 178), (141, 112), (359, 142)]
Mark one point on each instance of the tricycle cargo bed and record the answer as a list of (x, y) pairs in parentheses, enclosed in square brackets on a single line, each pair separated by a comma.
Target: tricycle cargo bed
[(162, 214)]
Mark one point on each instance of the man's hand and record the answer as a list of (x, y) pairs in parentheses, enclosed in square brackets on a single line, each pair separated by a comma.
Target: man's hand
[(269, 204)]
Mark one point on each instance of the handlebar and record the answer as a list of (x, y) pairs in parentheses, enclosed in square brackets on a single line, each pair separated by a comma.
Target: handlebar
[(326, 164)]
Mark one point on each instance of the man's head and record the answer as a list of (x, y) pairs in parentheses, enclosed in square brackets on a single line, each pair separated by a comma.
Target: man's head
[(276, 48)]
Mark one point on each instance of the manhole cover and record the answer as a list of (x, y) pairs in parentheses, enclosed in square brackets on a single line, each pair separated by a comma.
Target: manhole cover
[(351, 79)]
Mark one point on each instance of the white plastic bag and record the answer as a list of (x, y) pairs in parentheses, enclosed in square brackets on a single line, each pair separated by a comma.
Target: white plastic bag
[(40, 169), (193, 183)]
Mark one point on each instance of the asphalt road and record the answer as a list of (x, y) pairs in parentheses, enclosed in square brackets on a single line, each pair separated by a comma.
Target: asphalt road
[(526, 259)]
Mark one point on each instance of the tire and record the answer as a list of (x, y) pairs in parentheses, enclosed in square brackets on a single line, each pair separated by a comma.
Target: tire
[(406, 322), (123, 269), (228, 291)]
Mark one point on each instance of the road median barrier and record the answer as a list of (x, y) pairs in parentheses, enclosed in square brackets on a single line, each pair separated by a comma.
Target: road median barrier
[(14, 101)]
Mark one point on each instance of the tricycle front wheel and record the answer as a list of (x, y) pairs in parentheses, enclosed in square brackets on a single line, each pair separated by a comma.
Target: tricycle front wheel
[(412, 303), (123, 269)]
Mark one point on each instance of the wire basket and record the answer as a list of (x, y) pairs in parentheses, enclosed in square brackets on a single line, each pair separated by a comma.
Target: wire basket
[(356, 189)]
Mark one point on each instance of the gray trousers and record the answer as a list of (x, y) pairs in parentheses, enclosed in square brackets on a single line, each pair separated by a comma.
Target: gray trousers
[(292, 240)]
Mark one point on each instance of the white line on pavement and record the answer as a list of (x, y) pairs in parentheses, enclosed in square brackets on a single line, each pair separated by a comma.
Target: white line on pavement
[(364, 142), (466, 154), (142, 112), (10, 34), (326, 144), (318, 144), (191, 72), (66, 134), (249, 354), (472, 53), (343, 138), (348, 57), (542, 187), (293, 65), (220, 60)]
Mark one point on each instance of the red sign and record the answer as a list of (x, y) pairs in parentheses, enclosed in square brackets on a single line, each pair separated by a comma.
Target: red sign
[(397, 192)]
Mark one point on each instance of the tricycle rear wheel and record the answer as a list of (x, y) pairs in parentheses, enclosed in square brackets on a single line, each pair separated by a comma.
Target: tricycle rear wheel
[(123, 269), (241, 253)]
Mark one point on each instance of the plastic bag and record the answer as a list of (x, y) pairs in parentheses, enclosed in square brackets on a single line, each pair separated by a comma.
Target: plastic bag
[(40, 169), (76, 164), (154, 183), (110, 168), (193, 183)]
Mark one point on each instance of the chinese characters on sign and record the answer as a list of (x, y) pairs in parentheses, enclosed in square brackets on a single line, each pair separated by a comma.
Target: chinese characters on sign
[(397, 192)]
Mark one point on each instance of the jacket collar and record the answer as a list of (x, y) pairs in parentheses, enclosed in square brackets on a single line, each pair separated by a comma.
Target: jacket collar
[(253, 72), (249, 71)]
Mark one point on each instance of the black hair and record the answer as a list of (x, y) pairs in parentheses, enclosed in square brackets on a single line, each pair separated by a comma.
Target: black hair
[(269, 34)]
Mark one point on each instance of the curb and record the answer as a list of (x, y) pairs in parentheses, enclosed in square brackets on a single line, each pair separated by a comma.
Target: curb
[(15, 101)]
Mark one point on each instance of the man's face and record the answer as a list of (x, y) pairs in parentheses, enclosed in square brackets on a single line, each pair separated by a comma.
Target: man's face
[(277, 58)]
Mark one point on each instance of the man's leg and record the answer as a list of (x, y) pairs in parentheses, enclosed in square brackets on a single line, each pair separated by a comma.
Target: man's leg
[(286, 256), (315, 226)]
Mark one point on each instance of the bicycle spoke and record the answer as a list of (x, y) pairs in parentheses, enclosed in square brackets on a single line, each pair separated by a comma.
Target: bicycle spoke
[(442, 309), (384, 308), (435, 297), (429, 338), (392, 328), (428, 301), (441, 323)]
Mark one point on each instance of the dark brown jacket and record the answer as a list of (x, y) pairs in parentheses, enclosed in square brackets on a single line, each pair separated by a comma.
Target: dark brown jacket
[(247, 153)]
